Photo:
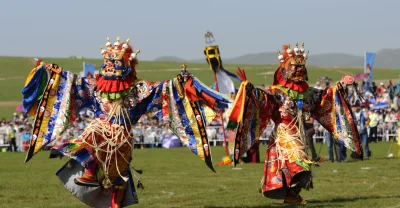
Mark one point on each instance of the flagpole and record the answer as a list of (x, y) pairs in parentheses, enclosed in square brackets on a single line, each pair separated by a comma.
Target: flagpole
[(365, 62), (372, 71), (83, 71), (209, 37), (222, 118)]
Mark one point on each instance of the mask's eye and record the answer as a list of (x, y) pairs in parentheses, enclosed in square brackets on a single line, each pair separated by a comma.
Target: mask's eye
[(299, 67), (118, 63)]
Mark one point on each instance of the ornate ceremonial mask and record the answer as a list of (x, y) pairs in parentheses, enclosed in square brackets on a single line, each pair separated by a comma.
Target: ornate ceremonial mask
[(118, 59), (293, 63)]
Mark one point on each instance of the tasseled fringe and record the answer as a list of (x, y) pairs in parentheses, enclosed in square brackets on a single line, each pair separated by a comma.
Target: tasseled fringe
[(140, 184), (137, 170)]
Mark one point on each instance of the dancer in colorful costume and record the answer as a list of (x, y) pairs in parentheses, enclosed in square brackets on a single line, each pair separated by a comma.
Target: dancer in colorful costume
[(288, 103), (98, 172)]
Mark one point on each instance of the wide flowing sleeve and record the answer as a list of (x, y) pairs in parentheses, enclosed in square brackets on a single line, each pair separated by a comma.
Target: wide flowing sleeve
[(34, 88), (185, 107), (334, 113), (64, 94), (250, 114)]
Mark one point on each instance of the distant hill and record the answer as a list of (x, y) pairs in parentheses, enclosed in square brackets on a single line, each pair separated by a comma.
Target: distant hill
[(169, 59), (388, 58), (385, 58), (336, 59)]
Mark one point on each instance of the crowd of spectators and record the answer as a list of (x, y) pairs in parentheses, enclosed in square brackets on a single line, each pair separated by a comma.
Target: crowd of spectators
[(13, 130), (377, 112), (381, 106)]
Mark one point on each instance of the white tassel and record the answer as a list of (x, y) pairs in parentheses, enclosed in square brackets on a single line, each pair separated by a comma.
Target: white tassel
[(296, 50)]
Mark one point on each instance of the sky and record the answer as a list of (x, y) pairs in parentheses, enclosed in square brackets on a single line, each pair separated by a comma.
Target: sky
[(48, 28)]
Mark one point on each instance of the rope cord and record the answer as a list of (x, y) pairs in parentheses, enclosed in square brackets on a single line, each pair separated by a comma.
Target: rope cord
[(107, 137), (290, 142)]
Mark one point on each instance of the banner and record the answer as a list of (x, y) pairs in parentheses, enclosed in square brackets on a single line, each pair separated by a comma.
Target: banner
[(369, 65), (88, 70), (225, 84), (222, 77)]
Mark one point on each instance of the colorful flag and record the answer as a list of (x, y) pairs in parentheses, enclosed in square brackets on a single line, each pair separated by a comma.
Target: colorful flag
[(88, 69), (225, 84), (369, 65), (222, 77)]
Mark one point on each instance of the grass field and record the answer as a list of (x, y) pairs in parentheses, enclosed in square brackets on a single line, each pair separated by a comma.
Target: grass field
[(176, 178), (13, 72)]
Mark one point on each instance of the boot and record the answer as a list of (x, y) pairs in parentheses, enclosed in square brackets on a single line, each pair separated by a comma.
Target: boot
[(294, 198), (87, 179)]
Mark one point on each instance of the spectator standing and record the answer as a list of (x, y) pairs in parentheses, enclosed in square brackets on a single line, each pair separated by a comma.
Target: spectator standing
[(397, 104), (211, 133), (11, 136), (362, 130), (373, 126), (373, 88), (397, 88), (151, 136), (381, 89), (391, 90), (365, 87), (310, 131), (318, 86), (334, 145)]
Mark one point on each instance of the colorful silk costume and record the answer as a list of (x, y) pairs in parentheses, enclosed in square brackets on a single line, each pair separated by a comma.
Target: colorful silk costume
[(288, 103), (99, 170)]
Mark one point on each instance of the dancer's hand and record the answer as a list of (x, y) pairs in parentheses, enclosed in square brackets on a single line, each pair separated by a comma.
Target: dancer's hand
[(185, 74), (347, 80), (54, 68)]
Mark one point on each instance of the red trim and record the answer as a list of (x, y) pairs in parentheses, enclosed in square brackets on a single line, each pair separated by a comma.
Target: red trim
[(38, 62), (114, 85)]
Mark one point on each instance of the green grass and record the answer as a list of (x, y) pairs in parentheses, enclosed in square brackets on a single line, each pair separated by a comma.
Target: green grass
[(176, 178)]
